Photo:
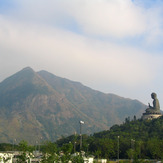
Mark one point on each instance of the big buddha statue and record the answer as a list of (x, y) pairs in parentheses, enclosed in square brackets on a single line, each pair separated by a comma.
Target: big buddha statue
[(155, 109), (152, 111)]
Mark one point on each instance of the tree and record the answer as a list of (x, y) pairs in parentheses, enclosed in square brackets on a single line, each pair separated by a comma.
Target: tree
[(49, 150), (25, 152), (155, 148), (77, 159), (67, 148)]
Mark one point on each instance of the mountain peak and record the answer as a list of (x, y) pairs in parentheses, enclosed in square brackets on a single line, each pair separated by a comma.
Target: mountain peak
[(24, 74), (23, 84), (27, 69)]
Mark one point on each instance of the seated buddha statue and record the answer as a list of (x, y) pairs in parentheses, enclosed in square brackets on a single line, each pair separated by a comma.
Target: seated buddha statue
[(155, 109)]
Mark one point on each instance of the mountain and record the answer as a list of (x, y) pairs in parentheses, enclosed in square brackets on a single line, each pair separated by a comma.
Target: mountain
[(38, 106)]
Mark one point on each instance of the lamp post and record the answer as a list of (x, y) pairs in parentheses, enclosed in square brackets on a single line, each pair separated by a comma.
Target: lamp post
[(40, 141), (118, 149), (132, 147), (75, 147), (14, 142), (81, 122), (75, 142)]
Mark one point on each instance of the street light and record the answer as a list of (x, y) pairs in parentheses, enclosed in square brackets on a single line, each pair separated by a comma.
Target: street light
[(118, 149), (81, 122), (75, 147), (14, 142), (40, 141), (75, 142), (132, 147)]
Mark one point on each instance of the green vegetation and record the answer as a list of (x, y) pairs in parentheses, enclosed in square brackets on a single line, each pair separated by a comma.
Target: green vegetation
[(134, 139), (25, 152)]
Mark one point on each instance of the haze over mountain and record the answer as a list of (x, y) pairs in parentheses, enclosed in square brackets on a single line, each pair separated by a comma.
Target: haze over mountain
[(40, 106)]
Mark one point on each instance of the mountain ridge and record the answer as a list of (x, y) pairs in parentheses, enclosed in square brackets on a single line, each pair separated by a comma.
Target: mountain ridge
[(49, 106)]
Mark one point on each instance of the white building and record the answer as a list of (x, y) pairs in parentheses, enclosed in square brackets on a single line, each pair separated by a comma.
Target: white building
[(6, 157), (88, 160)]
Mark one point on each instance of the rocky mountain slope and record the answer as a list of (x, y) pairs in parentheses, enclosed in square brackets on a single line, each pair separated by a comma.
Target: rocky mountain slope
[(38, 106)]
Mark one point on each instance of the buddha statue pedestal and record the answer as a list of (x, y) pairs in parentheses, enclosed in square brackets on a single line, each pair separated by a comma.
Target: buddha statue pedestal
[(151, 116)]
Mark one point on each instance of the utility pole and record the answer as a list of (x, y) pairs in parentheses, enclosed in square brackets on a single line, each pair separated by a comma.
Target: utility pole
[(118, 149), (81, 122), (132, 147)]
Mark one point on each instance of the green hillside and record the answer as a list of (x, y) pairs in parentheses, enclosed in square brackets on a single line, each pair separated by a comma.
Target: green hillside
[(138, 139)]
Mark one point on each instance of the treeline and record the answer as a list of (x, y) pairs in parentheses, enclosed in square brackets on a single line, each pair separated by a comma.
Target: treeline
[(47, 152), (134, 139), (138, 139)]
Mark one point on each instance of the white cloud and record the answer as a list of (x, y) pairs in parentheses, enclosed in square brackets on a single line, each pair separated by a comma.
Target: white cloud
[(116, 18), (73, 55), (155, 23), (37, 37), (107, 18)]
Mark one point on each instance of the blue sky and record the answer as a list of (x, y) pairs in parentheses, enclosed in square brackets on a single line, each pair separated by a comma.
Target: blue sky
[(114, 46)]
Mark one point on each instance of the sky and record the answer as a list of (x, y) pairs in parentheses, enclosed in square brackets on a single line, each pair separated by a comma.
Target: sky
[(113, 46)]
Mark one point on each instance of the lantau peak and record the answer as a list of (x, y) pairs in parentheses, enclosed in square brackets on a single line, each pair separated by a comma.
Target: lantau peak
[(152, 111)]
